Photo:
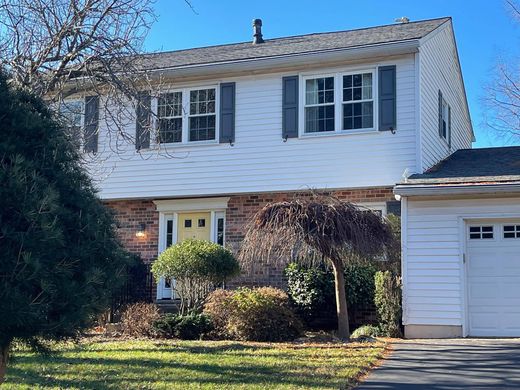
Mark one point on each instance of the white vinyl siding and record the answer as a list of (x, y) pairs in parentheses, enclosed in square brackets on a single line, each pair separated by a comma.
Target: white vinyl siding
[(260, 161), (439, 70), (433, 275)]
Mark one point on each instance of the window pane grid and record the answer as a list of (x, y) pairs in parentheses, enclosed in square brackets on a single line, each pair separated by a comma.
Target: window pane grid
[(358, 104), (319, 105), (480, 232), (202, 121), (169, 112), (511, 231)]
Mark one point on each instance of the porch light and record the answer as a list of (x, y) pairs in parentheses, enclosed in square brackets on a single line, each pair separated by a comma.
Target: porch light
[(141, 232)]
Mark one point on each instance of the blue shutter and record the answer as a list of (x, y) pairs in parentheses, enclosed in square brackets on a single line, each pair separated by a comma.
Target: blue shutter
[(387, 98), (143, 119), (290, 100), (90, 139), (227, 113)]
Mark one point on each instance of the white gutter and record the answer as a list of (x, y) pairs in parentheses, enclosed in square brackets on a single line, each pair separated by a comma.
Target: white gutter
[(456, 189), (287, 60)]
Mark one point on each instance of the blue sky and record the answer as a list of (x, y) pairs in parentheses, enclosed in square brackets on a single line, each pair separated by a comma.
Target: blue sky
[(483, 28)]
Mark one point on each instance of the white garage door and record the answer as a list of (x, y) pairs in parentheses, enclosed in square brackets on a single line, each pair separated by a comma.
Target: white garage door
[(493, 278)]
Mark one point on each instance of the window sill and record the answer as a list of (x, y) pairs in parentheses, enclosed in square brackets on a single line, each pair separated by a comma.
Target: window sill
[(182, 145), (338, 133)]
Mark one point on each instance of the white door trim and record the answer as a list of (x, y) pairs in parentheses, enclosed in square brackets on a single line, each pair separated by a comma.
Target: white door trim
[(170, 209), (195, 204)]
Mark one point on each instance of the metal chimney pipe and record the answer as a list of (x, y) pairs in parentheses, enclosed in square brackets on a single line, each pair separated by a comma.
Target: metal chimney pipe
[(257, 31)]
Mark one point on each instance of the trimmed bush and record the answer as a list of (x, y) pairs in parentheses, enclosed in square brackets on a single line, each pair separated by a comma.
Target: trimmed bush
[(388, 303), (366, 331), (185, 327), (259, 314), (197, 267), (312, 291), (138, 319)]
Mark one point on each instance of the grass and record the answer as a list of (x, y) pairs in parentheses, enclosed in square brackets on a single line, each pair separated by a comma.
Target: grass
[(145, 364)]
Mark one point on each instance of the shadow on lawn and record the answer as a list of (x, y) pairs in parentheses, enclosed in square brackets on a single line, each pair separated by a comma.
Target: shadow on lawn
[(102, 372)]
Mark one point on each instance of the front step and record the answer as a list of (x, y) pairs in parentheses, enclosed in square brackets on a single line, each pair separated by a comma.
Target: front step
[(168, 305)]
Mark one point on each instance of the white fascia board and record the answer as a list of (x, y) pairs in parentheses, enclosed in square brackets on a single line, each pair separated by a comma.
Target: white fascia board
[(442, 190), (288, 60)]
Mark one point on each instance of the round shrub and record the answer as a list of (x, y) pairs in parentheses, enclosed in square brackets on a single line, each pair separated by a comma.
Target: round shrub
[(197, 266), (366, 331), (185, 327), (138, 319), (259, 314)]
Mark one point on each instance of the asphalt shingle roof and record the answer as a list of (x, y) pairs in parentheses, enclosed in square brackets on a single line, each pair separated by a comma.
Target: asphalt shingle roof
[(474, 166), (292, 45)]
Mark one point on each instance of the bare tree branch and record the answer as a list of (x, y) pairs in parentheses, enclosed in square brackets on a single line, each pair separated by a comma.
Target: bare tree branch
[(502, 99), (65, 49)]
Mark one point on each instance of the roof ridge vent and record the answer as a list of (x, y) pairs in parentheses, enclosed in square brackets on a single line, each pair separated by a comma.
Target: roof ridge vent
[(257, 31), (402, 20)]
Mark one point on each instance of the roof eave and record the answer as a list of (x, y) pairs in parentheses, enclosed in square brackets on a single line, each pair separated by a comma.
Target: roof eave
[(291, 60), (455, 189)]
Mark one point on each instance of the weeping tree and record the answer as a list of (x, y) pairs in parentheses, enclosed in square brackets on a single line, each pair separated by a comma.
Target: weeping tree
[(317, 229)]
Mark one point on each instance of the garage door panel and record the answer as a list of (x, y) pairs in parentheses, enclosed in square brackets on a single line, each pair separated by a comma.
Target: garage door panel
[(493, 282)]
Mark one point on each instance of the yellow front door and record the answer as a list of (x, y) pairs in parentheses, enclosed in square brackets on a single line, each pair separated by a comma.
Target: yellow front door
[(194, 225)]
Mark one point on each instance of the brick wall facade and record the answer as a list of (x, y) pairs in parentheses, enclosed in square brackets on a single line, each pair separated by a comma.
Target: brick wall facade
[(131, 213), (241, 209)]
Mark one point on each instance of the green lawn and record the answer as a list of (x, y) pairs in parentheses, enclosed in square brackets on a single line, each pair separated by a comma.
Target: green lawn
[(192, 365)]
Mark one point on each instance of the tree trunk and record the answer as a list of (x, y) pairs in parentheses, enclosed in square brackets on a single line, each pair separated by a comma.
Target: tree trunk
[(341, 299), (4, 355)]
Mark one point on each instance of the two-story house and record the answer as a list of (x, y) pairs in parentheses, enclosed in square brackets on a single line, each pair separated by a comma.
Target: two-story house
[(244, 124)]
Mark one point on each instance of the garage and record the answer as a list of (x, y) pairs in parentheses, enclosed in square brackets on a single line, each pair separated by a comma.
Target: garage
[(493, 278), (461, 246)]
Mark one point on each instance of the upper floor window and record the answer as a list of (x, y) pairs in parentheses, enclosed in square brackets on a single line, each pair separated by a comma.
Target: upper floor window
[(202, 115), (73, 112), (319, 105), (169, 117), (188, 115), (339, 103), (358, 102), (444, 119)]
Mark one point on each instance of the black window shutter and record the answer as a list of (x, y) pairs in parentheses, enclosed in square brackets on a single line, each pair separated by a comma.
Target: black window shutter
[(440, 114), (387, 98), (449, 126), (290, 100), (393, 207), (227, 113), (142, 125), (90, 137)]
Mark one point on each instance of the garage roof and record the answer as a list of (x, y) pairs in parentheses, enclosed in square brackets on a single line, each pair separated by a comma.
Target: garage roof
[(473, 166)]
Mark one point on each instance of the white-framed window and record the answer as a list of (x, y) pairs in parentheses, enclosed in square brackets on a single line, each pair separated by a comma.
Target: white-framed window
[(319, 109), (169, 117), (358, 101), (511, 231), (445, 122), (72, 112), (482, 232), (341, 102), (202, 115), (187, 115)]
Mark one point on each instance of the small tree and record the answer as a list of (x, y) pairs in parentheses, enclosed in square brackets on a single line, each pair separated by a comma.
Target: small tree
[(61, 259), (196, 266), (317, 229)]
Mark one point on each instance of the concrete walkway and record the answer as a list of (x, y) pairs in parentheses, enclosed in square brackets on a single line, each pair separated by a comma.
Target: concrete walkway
[(449, 364)]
